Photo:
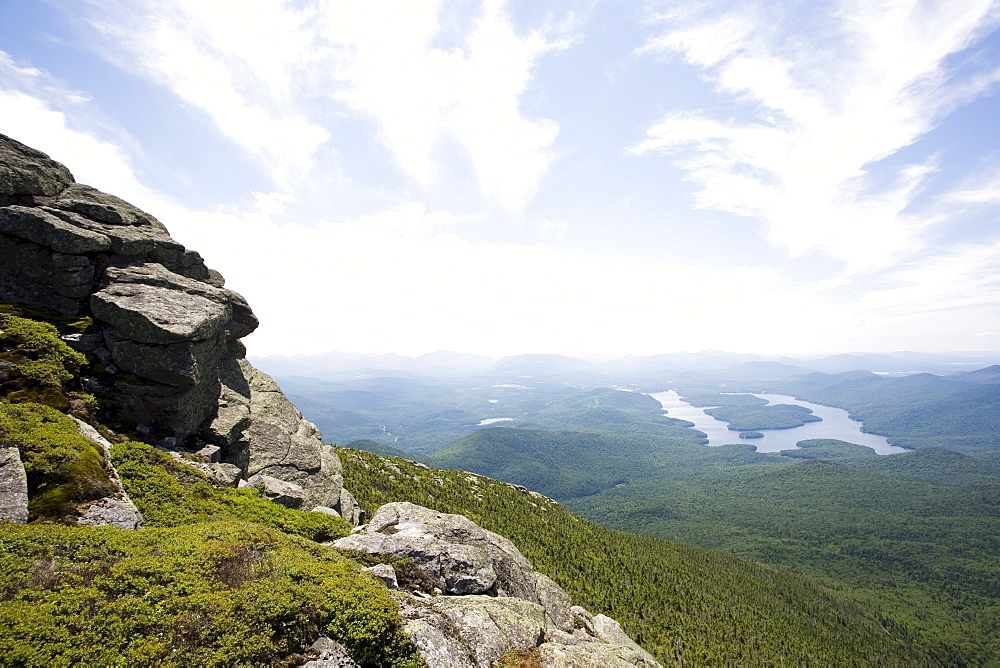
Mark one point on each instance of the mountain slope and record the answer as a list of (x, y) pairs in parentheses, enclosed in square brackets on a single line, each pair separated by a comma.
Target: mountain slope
[(684, 604)]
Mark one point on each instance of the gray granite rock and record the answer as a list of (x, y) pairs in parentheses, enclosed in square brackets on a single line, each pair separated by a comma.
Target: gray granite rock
[(596, 654), (282, 444), (349, 509), (167, 330), (153, 305), (111, 511), (459, 555), (25, 171), (178, 364), (13, 487), (209, 454), (329, 654), (44, 228), (467, 631), (227, 475), (385, 573), (283, 492), (477, 631), (116, 509), (28, 274)]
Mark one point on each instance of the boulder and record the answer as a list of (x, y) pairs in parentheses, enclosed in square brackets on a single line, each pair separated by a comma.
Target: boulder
[(278, 441), (599, 655), (283, 492), (13, 487), (156, 306), (349, 509), (166, 409), (30, 273), (25, 172), (119, 512), (475, 630), (45, 229), (385, 573), (208, 455), (329, 653), (227, 475), (178, 364), (494, 601), (458, 555)]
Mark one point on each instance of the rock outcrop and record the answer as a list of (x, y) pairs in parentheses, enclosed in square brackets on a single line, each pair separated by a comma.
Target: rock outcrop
[(490, 599), (167, 331)]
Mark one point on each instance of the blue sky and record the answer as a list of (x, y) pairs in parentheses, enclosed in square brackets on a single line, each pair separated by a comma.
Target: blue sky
[(565, 176)]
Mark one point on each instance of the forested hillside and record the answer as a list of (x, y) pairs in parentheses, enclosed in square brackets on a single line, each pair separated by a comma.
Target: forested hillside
[(686, 605), (915, 534), (959, 412)]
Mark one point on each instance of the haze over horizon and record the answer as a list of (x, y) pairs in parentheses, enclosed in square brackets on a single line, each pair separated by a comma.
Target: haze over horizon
[(539, 177)]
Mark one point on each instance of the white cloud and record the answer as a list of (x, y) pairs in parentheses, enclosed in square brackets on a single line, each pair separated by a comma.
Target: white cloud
[(400, 281), (271, 75), (982, 189), (36, 111), (272, 203), (421, 95), (239, 64), (822, 109), (961, 277), (554, 228)]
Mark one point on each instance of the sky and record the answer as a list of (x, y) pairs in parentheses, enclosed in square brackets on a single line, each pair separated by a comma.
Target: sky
[(545, 176)]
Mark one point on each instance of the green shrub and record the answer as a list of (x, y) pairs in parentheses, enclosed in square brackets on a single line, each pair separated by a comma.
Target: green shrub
[(38, 364), (66, 324), (63, 468), (210, 594), (168, 493)]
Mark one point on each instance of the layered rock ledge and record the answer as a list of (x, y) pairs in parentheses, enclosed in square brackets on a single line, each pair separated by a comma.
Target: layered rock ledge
[(166, 330)]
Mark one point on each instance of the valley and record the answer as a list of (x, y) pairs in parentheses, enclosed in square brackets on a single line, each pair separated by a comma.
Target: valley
[(912, 531)]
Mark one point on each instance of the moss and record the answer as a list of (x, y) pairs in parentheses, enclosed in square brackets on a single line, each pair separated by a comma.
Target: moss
[(64, 469), (82, 479), (38, 338), (48, 396)]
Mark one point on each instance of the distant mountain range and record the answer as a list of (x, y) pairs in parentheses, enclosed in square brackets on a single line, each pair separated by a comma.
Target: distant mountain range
[(682, 366)]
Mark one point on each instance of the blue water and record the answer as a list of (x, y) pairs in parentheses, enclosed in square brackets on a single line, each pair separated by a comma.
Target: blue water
[(835, 423)]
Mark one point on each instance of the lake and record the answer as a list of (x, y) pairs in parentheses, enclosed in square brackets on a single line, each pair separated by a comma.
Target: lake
[(836, 423)]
